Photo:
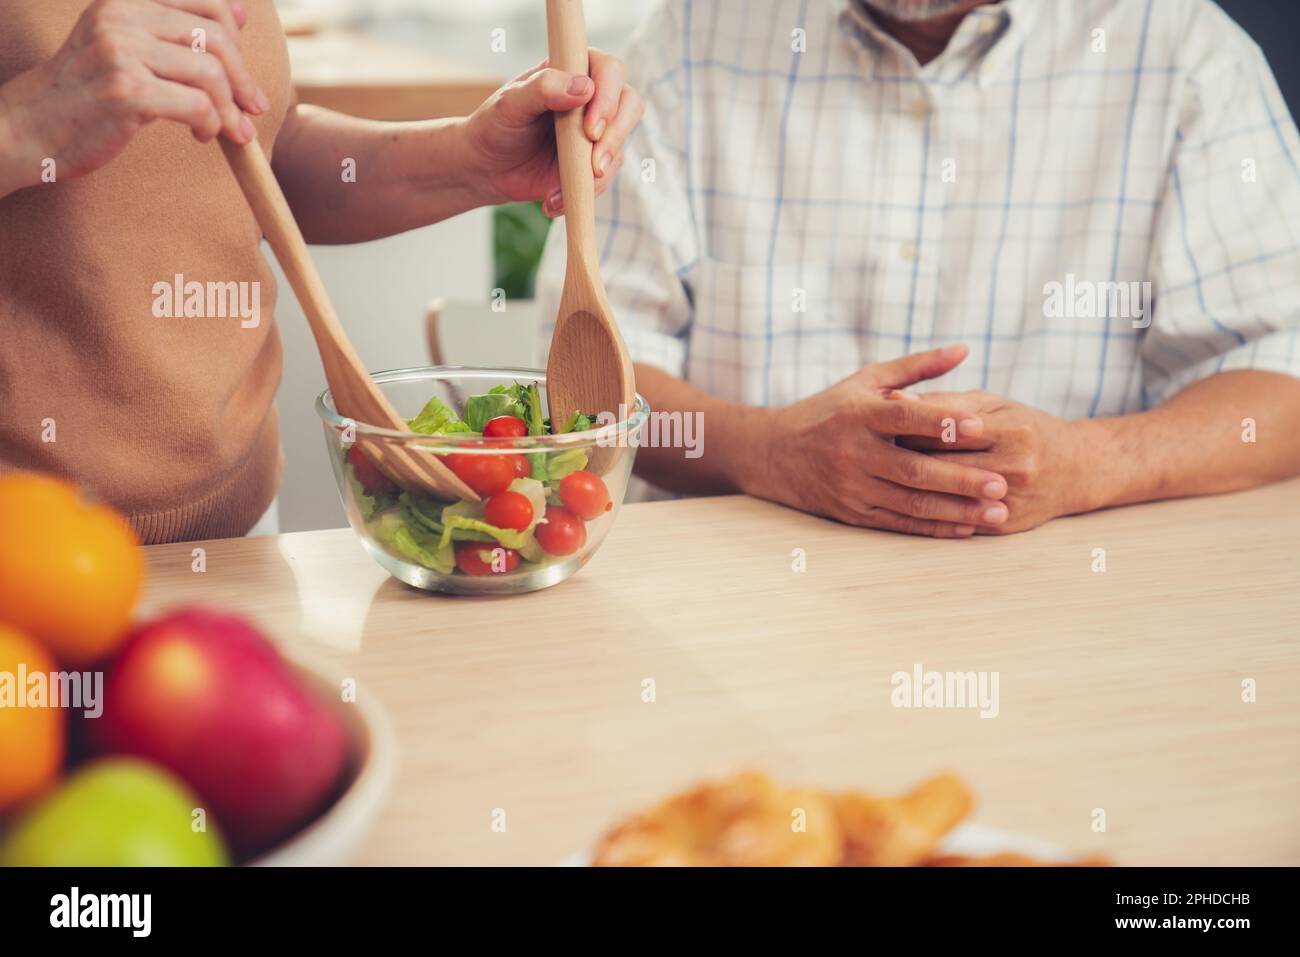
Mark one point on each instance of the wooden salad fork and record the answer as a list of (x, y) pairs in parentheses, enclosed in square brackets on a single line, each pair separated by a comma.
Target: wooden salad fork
[(355, 393)]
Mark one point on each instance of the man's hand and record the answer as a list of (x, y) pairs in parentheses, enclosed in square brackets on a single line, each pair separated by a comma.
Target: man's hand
[(512, 135), (834, 454), (1045, 460), (126, 63)]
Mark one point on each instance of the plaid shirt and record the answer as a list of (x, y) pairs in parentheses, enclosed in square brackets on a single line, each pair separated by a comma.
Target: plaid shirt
[(802, 198)]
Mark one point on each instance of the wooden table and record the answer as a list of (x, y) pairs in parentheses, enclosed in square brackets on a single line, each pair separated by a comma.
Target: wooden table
[(1119, 690)]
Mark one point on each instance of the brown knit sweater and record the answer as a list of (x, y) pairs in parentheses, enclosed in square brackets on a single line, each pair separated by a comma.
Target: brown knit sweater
[(170, 418)]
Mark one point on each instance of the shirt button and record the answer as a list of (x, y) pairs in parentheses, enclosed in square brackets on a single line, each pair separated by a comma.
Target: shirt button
[(920, 108), (907, 251), (988, 24)]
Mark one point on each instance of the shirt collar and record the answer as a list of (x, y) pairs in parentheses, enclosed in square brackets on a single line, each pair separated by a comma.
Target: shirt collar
[(1010, 21)]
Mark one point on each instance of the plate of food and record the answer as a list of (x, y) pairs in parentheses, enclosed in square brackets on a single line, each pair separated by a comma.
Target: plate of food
[(748, 820)]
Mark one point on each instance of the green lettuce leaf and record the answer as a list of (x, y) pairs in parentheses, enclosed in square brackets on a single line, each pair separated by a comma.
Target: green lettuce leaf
[(437, 418), (411, 542), (368, 503), (481, 409), (468, 517), (560, 464)]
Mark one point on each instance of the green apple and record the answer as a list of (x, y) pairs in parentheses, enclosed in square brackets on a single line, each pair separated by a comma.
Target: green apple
[(116, 812)]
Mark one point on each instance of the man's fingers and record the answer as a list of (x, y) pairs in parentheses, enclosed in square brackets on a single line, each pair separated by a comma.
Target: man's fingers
[(924, 443), (940, 506), (609, 150), (908, 370), (899, 417), (178, 27), (170, 62), (874, 517), (937, 473)]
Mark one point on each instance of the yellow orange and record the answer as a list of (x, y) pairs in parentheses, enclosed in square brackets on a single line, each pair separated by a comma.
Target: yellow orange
[(70, 570), (32, 739)]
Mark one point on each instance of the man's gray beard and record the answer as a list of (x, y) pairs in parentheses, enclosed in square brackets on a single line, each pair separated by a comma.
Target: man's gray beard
[(912, 10)]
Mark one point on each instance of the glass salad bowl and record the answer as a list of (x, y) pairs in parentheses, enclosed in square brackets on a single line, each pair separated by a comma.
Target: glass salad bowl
[(547, 499)]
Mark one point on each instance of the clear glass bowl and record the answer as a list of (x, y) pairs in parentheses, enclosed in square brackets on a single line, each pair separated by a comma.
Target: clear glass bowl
[(407, 533)]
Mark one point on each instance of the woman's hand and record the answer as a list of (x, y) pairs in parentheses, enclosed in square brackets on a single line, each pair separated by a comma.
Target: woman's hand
[(512, 135), (125, 64)]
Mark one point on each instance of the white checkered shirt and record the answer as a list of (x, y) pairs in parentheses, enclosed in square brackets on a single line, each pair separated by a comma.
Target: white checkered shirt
[(802, 199)]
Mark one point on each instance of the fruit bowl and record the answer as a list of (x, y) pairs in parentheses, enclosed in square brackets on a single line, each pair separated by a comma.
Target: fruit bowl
[(547, 498), (333, 837)]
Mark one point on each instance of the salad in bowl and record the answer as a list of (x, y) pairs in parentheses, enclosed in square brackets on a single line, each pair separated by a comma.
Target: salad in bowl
[(546, 496)]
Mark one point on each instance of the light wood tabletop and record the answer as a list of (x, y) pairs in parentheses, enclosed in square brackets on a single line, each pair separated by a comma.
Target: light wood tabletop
[(1119, 690)]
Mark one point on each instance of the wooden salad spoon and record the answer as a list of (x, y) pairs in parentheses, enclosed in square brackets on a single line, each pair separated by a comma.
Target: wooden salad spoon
[(355, 393), (588, 369)]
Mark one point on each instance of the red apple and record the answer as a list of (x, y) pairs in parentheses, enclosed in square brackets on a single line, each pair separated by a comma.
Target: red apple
[(205, 695)]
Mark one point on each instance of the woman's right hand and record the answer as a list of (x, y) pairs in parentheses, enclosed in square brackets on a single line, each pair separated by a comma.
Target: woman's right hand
[(125, 64)]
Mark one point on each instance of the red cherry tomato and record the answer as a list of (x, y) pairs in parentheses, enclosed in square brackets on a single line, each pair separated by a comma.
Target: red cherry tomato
[(505, 427), (518, 461), (563, 533), (509, 510), (485, 474), (470, 558), (367, 472), (584, 494)]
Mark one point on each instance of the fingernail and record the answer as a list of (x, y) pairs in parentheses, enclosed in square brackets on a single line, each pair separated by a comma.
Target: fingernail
[(598, 130), (578, 85), (954, 349), (247, 129), (263, 101), (604, 164), (239, 11), (965, 529), (994, 490), (995, 514), (553, 200), (970, 427)]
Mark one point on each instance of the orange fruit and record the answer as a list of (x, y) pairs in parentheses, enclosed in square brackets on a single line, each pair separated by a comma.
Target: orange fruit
[(31, 737), (70, 570)]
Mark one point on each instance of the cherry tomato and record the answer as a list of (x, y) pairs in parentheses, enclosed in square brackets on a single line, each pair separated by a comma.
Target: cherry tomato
[(584, 494), (518, 461), (367, 472), (509, 510), (470, 558), (485, 474), (505, 427), (563, 533)]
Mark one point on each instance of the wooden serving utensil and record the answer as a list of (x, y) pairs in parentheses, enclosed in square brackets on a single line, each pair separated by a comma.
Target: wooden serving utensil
[(588, 369), (355, 393)]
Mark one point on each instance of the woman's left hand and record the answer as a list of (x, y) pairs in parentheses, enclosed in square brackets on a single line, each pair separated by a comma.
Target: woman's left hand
[(512, 135)]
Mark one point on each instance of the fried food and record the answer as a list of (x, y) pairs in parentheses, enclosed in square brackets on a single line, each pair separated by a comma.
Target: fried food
[(747, 820), (900, 832), (742, 821)]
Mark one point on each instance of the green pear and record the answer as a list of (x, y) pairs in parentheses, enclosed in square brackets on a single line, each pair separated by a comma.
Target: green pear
[(116, 812)]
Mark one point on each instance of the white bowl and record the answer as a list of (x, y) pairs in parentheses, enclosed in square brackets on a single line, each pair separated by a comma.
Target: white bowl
[(333, 838)]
